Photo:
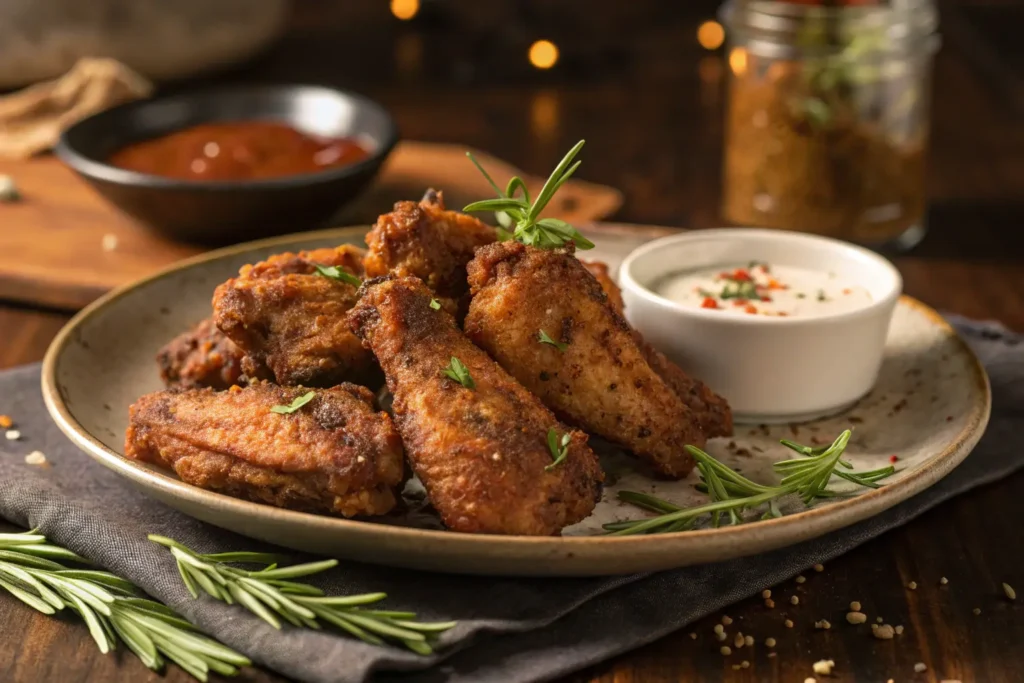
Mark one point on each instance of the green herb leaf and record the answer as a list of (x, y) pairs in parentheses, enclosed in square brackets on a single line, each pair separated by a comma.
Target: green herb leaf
[(457, 371), (559, 449), (294, 405), (336, 273), (545, 339), (269, 593), (732, 494), (435, 304), (520, 220), (110, 607)]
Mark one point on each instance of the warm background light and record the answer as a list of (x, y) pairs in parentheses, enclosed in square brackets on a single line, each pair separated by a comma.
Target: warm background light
[(738, 61), (405, 9), (710, 35), (543, 54)]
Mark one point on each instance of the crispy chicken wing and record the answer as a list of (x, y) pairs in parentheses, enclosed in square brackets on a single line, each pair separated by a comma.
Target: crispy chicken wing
[(429, 242), (290, 321), (481, 452), (713, 411), (201, 357), (336, 454), (600, 381)]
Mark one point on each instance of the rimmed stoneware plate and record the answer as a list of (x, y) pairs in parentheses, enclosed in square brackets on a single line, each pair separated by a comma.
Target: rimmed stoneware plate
[(929, 408)]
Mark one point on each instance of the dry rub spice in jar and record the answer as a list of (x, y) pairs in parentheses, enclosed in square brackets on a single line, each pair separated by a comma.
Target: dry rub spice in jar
[(828, 116)]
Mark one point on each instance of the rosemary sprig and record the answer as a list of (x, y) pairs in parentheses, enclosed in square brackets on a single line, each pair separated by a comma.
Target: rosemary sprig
[(294, 405), (523, 217), (732, 494), (34, 571), (269, 593)]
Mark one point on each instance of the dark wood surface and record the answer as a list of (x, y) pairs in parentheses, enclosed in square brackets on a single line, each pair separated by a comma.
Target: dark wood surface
[(648, 101)]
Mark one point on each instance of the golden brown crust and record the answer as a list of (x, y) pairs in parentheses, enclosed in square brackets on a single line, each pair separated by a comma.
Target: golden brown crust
[(290, 321), (601, 381), (713, 411), (424, 240), (481, 453), (335, 455), (201, 357)]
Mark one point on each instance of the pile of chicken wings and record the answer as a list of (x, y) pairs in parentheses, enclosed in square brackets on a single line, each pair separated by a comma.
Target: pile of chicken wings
[(500, 359)]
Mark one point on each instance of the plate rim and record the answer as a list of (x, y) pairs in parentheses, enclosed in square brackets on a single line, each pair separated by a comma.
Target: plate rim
[(777, 532)]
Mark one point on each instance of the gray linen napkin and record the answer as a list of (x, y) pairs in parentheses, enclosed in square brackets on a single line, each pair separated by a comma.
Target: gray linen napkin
[(509, 629)]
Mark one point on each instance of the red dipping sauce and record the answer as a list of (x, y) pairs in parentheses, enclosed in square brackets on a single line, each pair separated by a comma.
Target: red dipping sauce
[(238, 150)]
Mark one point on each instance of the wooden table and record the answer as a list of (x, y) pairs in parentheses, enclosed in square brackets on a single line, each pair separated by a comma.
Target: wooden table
[(635, 84)]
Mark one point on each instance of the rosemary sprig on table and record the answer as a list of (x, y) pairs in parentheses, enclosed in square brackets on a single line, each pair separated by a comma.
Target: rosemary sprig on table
[(270, 593), (732, 494), (33, 570), (523, 217)]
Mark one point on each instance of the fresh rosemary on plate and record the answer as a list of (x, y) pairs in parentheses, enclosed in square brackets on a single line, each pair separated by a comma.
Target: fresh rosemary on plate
[(523, 218), (732, 494), (270, 593), (35, 572)]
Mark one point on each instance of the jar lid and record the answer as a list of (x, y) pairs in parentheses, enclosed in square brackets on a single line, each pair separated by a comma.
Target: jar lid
[(776, 28)]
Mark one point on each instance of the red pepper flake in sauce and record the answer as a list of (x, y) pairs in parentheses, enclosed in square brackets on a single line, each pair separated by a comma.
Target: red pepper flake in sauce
[(766, 298), (750, 308), (741, 275), (708, 303), (847, 291), (739, 302)]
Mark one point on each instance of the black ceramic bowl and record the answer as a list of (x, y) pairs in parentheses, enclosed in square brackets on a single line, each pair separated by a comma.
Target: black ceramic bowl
[(219, 212)]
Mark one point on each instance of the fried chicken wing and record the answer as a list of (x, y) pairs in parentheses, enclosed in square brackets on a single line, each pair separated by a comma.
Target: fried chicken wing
[(713, 411), (335, 454), (482, 451), (601, 380), (429, 242), (201, 357), (290, 321)]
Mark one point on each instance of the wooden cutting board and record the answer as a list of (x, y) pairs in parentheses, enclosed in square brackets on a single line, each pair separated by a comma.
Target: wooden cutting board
[(63, 245)]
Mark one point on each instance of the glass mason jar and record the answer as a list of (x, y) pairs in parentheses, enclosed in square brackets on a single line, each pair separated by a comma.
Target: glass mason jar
[(827, 121)]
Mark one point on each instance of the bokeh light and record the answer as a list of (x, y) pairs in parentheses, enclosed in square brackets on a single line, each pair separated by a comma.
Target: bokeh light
[(710, 35), (543, 54), (738, 61), (405, 9)]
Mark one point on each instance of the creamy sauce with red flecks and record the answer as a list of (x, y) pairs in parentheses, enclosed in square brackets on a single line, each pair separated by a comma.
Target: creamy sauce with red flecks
[(765, 289)]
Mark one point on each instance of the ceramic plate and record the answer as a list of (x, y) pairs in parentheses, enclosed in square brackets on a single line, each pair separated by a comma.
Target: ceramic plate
[(929, 408)]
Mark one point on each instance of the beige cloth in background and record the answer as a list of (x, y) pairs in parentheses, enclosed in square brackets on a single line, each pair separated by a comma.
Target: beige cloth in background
[(31, 120)]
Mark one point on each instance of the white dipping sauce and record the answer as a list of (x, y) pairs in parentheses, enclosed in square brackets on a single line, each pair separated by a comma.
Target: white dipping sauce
[(765, 289)]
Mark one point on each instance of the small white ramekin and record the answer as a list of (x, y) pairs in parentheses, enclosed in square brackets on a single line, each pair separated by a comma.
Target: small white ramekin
[(770, 369)]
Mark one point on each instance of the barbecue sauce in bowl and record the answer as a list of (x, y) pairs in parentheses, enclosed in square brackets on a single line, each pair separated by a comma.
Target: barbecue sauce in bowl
[(238, 150)]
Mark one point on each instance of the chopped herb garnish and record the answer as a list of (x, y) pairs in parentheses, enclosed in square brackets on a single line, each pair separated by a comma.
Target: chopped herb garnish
[(435, 304), (457, 371), (559, 449), (821, 295), (705, 293), (545, 339), (523, 217), (336, 273), (294, 405), (801, 295), (740, 290)]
